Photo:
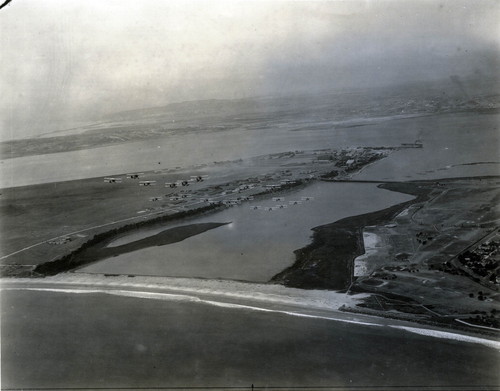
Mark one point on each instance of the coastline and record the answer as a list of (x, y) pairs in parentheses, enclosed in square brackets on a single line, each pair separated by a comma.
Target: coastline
[(237, 295), (327, 263)]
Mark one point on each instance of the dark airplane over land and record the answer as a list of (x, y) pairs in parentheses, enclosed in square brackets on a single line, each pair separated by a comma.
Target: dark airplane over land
[(112, 180), (199, 178), (147, 183), (135, 176)]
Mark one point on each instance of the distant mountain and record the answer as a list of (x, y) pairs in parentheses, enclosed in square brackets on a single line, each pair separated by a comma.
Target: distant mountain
[(326, 110), (452, 88), (190, 109)]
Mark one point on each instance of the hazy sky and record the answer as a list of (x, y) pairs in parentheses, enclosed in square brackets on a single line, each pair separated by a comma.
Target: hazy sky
[(68, 60)]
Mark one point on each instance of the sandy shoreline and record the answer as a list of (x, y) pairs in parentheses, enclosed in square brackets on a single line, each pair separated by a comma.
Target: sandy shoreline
[(317, 304), (371, 242), (222, 289)]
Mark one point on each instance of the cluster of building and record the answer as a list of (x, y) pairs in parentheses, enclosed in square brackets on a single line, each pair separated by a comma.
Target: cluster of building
[(483, 261), (63, 240), (423, 238), (350, 160)]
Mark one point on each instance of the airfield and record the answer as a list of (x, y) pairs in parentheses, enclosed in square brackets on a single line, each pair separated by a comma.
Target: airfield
[(62, 216), (328, 239)]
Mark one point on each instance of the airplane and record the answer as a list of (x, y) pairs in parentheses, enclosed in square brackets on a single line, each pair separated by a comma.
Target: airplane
[(247, 187), (278, 199), (155, 198), (135, 176), (147, 183), (112, 180), (307, 198), (239, 189), (295, 202), (231, 202), (199, 178)]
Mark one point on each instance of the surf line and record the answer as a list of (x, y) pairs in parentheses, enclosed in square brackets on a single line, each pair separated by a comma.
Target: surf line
[(194, 299)]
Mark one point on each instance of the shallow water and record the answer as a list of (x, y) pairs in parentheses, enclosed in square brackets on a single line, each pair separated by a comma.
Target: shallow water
[(448, 139), (451, 143), (183, 150), (258, 243)]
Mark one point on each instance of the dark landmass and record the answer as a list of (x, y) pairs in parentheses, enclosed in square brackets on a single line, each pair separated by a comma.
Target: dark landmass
[(327, 262), (95, 249), (173, 235)]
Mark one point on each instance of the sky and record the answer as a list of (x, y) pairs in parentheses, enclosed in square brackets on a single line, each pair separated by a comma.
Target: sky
[(66, 61)]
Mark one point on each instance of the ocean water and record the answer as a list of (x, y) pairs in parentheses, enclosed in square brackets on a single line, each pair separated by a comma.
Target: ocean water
[(95, 340)]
